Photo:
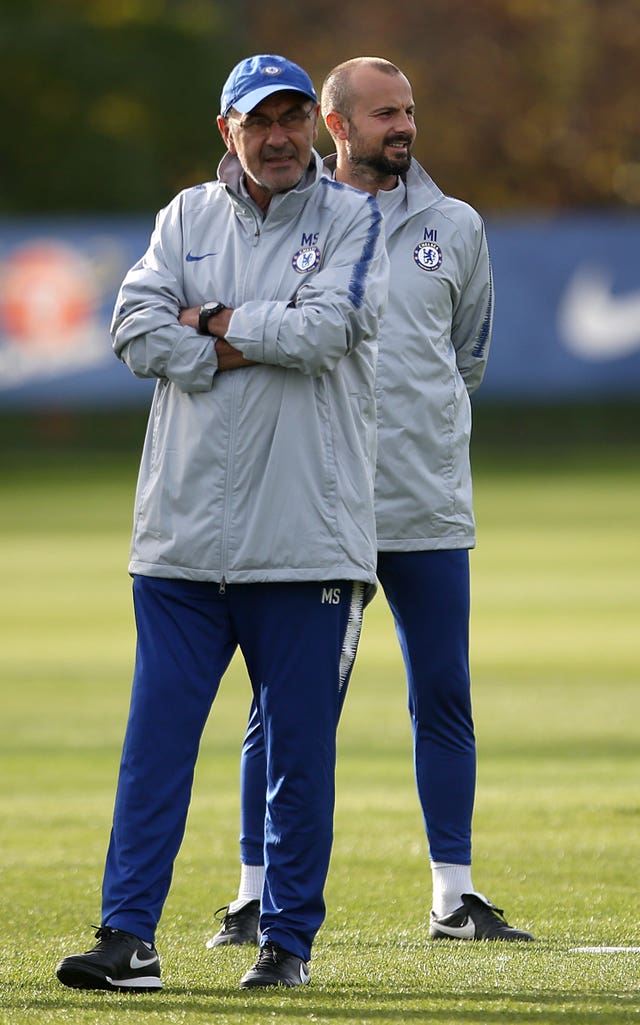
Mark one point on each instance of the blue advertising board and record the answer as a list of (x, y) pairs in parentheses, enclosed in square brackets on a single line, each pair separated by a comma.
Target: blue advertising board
[(58, 283), (567, 320), (567, 317)]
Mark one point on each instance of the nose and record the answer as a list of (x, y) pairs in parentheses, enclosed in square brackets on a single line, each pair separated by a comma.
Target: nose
[(405, 123), (277, 134)]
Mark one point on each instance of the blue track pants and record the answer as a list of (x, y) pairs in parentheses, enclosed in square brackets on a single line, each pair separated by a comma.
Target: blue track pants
[(428, 594), (298, 642)]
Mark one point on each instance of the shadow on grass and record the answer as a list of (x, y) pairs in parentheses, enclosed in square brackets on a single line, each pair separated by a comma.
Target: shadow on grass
[(479, 1008)]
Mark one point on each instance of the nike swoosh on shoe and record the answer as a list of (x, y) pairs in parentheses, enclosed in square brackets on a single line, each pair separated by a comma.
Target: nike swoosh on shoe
[(466, 931), (136, 962)]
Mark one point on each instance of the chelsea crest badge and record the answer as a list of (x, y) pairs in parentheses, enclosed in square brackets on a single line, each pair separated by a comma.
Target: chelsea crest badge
[(306, 259), (428, 255)]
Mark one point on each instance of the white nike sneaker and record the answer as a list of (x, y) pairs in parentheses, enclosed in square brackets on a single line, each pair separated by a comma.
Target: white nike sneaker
[(119, 961), (477, 919)]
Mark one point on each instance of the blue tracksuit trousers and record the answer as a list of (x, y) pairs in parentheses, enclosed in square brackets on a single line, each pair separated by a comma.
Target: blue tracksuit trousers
[(428, 593), (298, 642)]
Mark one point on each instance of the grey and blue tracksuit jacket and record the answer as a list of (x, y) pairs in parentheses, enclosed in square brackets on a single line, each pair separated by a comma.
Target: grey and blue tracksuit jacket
[(433, 349), (264, 473)]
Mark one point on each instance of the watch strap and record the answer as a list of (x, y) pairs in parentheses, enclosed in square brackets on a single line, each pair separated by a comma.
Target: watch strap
[(208, 310)]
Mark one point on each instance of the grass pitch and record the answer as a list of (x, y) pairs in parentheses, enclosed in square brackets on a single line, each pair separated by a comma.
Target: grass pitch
[(556, 607)]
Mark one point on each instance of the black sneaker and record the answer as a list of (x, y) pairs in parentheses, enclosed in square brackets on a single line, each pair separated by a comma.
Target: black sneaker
[(238, 927), (118, 961), (276, 967), (477, 919)]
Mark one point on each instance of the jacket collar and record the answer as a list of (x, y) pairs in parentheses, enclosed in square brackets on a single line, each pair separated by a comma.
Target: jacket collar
[(283, 204), (422, 191)]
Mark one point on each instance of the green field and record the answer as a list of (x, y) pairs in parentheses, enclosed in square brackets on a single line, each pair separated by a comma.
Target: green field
[(555, 654)]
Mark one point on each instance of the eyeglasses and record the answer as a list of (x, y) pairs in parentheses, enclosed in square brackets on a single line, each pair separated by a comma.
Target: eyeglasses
[(256, 124)]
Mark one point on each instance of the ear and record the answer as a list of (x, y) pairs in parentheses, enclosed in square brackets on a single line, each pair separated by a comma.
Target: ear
[(225, 131), (337, 125)]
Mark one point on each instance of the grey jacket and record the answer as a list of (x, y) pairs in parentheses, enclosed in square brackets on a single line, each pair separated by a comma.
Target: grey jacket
[(433, 349), (263, 473)]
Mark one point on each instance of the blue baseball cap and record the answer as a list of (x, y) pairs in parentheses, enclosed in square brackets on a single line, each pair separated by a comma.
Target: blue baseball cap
[(255, 78)]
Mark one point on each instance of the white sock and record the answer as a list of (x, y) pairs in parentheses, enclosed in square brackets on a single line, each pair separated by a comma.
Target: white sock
[(251, 883), (449, 883)]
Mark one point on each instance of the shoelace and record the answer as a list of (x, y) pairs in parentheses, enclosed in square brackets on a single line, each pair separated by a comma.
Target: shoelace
[(103, 934), (268, 955), (497, 911), (228, 918)]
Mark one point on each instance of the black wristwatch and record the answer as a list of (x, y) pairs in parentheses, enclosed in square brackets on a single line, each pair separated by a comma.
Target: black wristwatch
[(208, 310)]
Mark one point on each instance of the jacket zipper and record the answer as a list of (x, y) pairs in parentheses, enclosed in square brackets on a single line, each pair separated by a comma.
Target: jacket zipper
[(230, 448), (226, 518)]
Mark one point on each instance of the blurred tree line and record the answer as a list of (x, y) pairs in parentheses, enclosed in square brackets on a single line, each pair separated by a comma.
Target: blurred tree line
[(109, 105)]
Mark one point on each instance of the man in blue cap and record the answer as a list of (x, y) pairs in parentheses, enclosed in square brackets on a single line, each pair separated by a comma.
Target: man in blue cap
[(254, 522)]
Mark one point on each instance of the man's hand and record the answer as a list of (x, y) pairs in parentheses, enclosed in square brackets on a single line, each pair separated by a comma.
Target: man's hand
[(229, 358)]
